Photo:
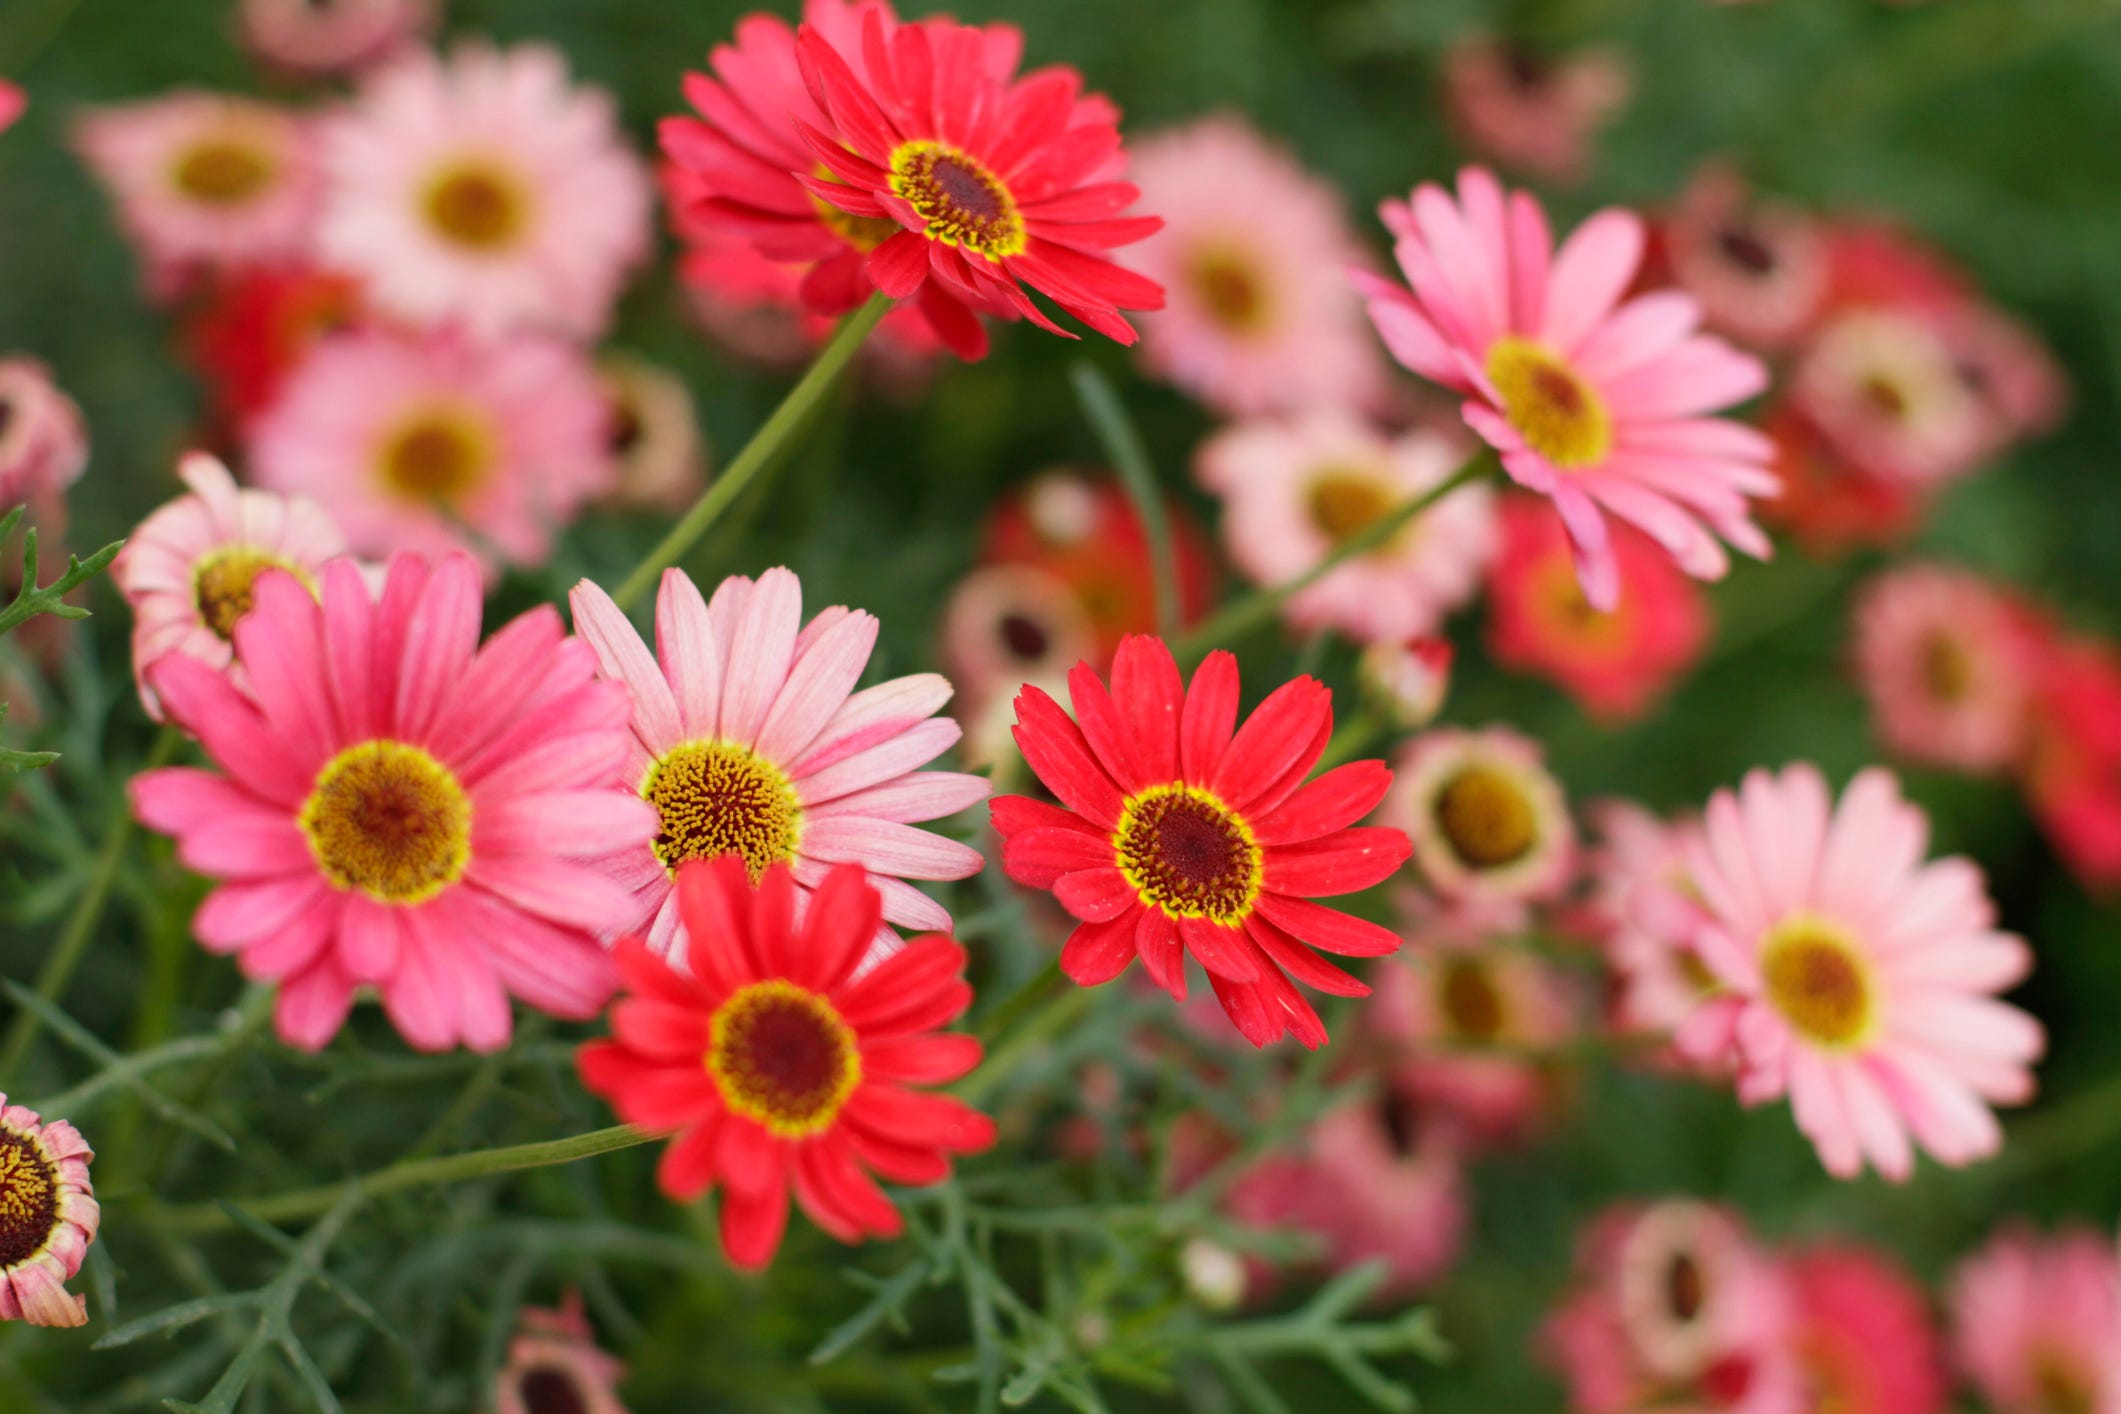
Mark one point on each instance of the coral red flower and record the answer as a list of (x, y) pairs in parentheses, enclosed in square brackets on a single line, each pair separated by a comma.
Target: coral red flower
[(256, 325), (2073, 772), (1863, 1335), (994, 179), (1181, 837), (778, 1067)]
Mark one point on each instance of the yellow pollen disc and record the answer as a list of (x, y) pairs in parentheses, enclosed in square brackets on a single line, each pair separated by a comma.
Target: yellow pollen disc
[(29, 1199), (1819, 983), (783, 1057), (221, 584), (438, 454), (1887, 397), (2061, 1384), (716, 798), (481, 206), (1346, 501), (1487, 818), (1229, 286), (389, 820), (1947, 668), (1186, 852), (223, 172), (864, 233), (1558, 414), (1472, 1004), (964, 204)]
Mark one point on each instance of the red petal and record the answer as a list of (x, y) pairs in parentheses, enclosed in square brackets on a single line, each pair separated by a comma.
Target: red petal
[(1095, 953), (1012, 813), (1272, 740), (1095, 895), (1208, 718), (1054, 748), (1221, 950), (1300, 962), (1038, 858), (838, 925), (686, 1169), (1327, 929), (1146, 684), (1156, 939), (925, 971), (899, 265), (1103, 728), (1334, 801), (1343, 863), (917, 1120), (861, 123), (921, 1060), (752, 1225)]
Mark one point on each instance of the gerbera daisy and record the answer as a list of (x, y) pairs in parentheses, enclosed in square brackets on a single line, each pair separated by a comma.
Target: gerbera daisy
[(1949, 663), (317, 37), (1616, 663), (1006, 625), (1759, 268), (1882, 386), (555, 1367), (749, 739), (1177, 837), (1859, 980), (43, 441), (1646, 915), (653, 433), (2036, 1322), (995, 179), (1294, 492), (1597, 403), (401, 808), (487, 192), (441, 444), (1259, 317), (189, 570), (1488, 820), (204, 180), (1537, 113), (48, 1216), (779, 1067), (1862, 1333)]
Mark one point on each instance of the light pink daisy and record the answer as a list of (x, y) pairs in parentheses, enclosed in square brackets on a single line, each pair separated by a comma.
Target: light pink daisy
[(485, 191), (1597, 403), (1760, 267), (749, 739), (1293, 492), (1533, 112), (555, 1367), (1647, 914), (189, 570), (399, 807), (1489, 822), (1861, 981), (43, 442), (2036, 1322), (1006, 625), (318, 37), (48, 1216), (1258, 317), (441, 443), (653, 433), (1949, 663), (1884, 388), (204, 180)]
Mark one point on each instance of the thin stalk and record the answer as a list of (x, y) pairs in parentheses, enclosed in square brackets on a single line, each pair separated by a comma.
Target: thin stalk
[(765, 448), (1123, 444), (1024, 1031)]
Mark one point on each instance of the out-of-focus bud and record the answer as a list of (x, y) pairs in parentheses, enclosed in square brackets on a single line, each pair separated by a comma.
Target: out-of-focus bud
[(1408, 679), (1215, 1276)]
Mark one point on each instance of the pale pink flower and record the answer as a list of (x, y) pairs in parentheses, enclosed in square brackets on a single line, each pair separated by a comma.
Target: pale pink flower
[(749, 739), (1488, 820), (1883, 387), (48, 1216), (1861, 981), (43, 441), (1411, 678), (1949, 662), (1759, 268), (1537, 113), (653, 434), (318, 37), (485, 191), (189, 570), (1648, 915), (1293, 492), (1258, 317), (402, 808), (1597, 403), (1006, 625), (442, 443), (2007, 367), (555, 1367), (204, 180), (2036, 1322)]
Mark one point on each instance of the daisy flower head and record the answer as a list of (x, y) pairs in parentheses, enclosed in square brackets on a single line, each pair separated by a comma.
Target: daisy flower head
[(314, 38), (2072, 773), (190, 569), (399, 807), (1598, 403), (1181, 833), (1295, 491), (1949, 662), (1759, 268), (1258, 317), (1006, 625), (779, 1067), (485, 191), (48, 1216), (441, 443), (653, 433), (1489, 822), (1884, 387), (1862, 1334), (2036, 1322), (996, 181), (1536, 113), (43, 440), (1647, 914), (750, 739), (555, 1367), (204, 180), (1856, 979)]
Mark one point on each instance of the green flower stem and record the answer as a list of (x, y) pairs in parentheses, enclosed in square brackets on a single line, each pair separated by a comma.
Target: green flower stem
[(1021, 1026), (1123, 444), (1260, 605), (761, 452), (410, 1173), (66, 955)]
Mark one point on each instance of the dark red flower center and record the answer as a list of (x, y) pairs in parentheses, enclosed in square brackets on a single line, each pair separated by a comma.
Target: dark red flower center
[(548, 1389), (29, 1198), (1746, 250), (783, 1057), (963, 203), (1025, 636), (1187, 853), (1685, 1287)]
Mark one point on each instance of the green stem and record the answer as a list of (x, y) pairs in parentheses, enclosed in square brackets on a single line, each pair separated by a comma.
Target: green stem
[(66, 954), (1260, 605), (1123, 444), (1354, 737), (1023, 1024), (411, 1173), (761, 452)]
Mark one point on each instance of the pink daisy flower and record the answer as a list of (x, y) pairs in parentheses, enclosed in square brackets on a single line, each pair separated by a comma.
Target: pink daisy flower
[(401, 808), (2036, 1322), (441, 444), (1863, 1335), (1537, 113), (1949, 663), (653, 432), (1861, 981), (1294, 491), (189, 570), (1883, 387), (1759, 268), (1489, 822), (48, 1216), (43, 441), (485, 191), (204, 180), (1597, 403), (555, 1367), (1258, 316), (1647, 915), (749, 739), (320, 37), (1006, 625)]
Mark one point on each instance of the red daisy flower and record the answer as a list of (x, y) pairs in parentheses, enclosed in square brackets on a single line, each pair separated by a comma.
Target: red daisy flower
[(778, 1067), (1186, 833), (994, 179)]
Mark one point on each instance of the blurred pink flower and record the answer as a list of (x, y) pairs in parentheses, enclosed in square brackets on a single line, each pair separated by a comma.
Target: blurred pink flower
[(555, 1367), (1411, 678), (1883, 386), (1489, 822), (13, 101), (43, 442), (1950, 663), (320, 37), (2072, 775), (653, 433), (2036, 1322), (1532, 112), (1862, 1334), (1647, 915), (1759, 267), (1006, 625)]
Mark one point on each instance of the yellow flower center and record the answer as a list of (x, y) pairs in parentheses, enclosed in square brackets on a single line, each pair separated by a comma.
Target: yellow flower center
[(1558, 414), (29, 1199), (1228, 285), (1346, 501), (1186, 852), (2061, 1384), (1569, 617), (223, 581), (479, 205), (224, 172), (716, 798), (783, 1057), (1473, 1006), (964, 204), (1947, 668), (1819, 983), (389, 820), (864, 233), (1487, 818), (438, 454)]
